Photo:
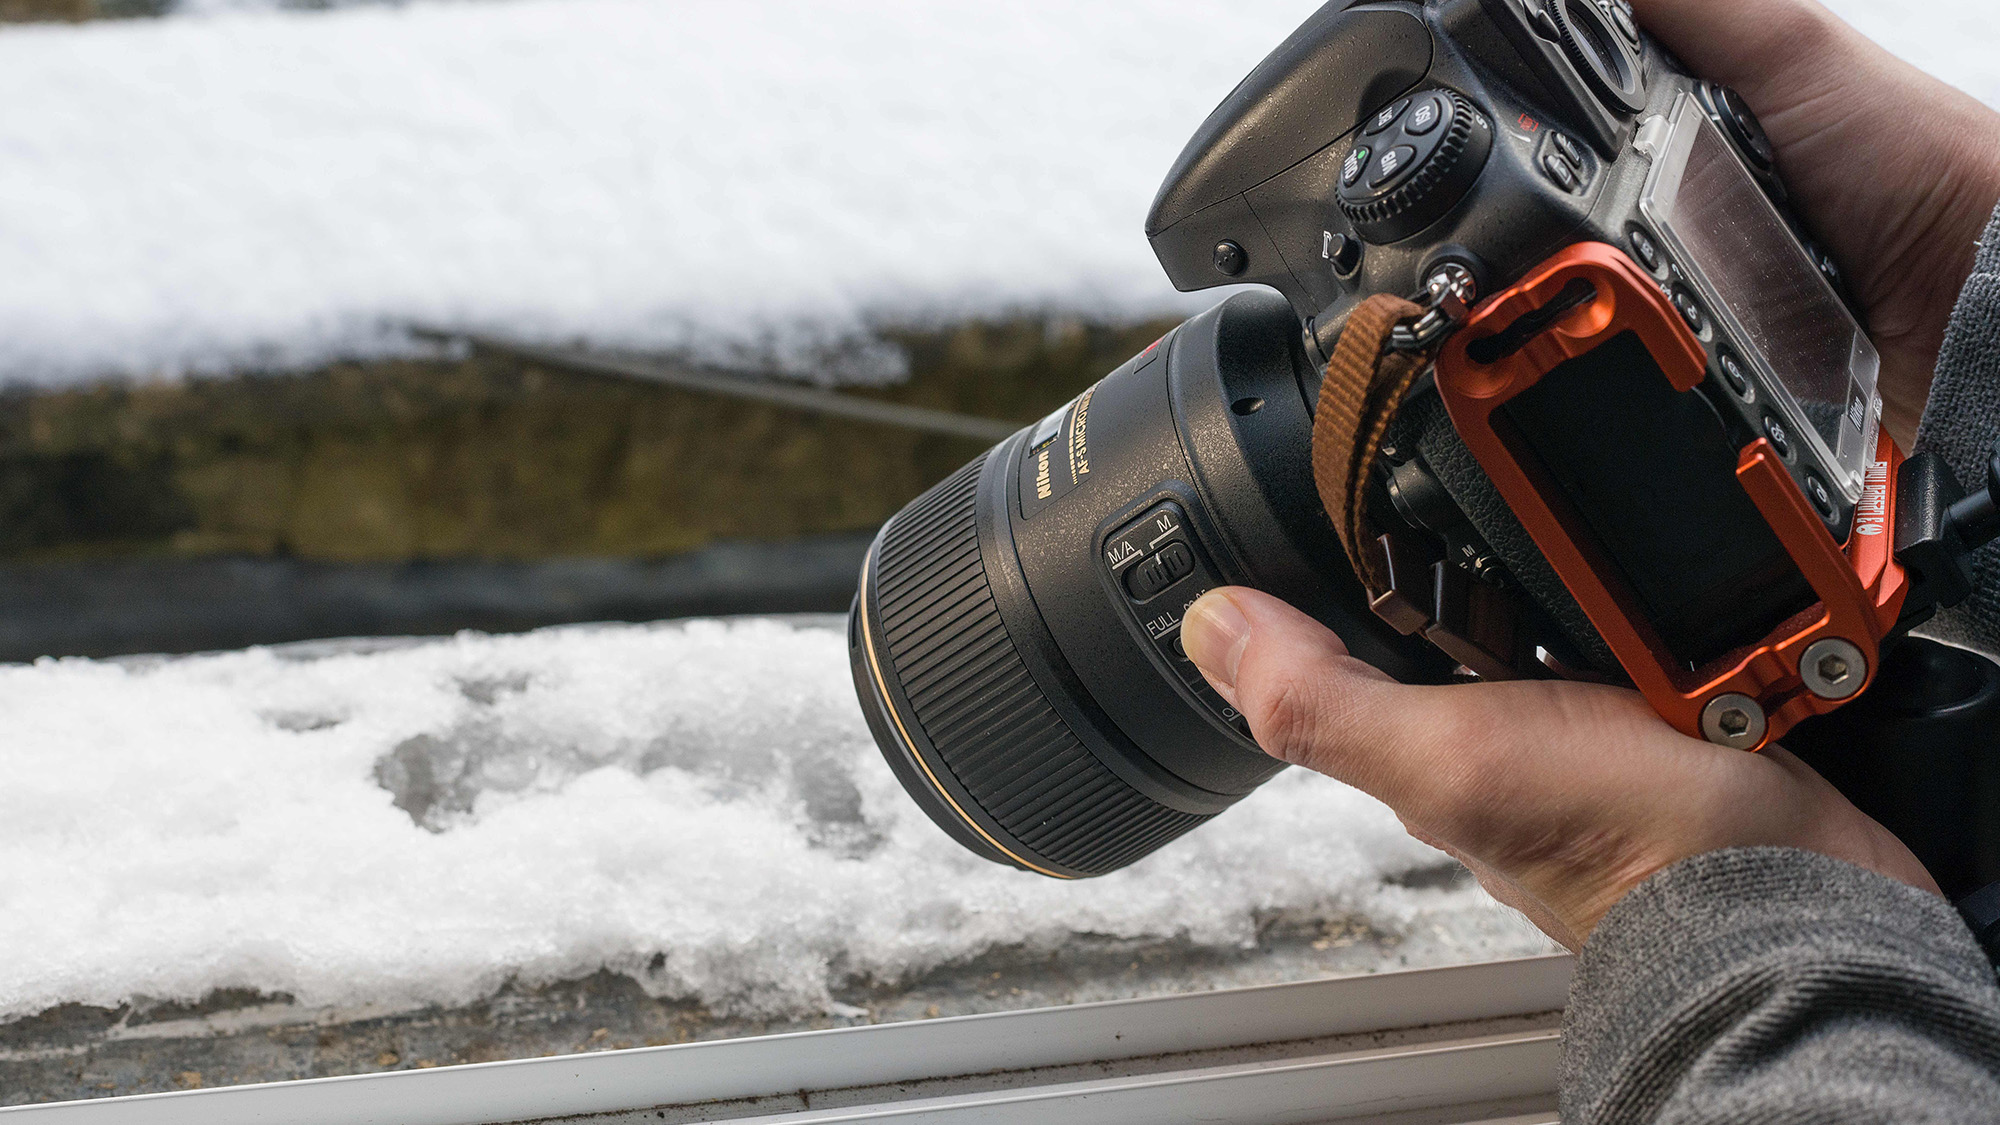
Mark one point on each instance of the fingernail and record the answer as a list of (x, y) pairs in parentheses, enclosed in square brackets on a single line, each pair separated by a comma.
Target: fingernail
[(1215, 633)]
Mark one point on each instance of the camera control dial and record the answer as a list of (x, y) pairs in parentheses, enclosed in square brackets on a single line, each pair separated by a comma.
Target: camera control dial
[(1413, 162), (1593, 36)]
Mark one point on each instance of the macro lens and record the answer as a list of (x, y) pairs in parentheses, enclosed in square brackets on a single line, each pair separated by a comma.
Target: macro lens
[(1016, 637)]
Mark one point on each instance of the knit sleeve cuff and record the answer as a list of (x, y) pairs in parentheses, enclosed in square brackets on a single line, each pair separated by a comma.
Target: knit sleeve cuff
[(1700, 947)]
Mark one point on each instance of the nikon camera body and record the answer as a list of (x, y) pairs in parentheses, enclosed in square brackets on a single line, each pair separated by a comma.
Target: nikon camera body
[(1649, 453)]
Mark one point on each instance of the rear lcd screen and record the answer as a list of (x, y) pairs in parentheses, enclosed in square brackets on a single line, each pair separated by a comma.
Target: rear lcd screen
[(1709, 573), (1779, 308)]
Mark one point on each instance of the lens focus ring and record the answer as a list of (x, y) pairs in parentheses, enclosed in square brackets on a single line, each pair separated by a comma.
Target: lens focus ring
[(972, 718)]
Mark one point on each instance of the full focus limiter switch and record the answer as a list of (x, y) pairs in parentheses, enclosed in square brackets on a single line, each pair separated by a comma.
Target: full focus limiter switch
[(1161, 571)]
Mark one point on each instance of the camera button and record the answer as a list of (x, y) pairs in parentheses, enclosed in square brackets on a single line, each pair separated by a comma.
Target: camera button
[(1165, 567), (1355, 164), (1744, 128), (1690, 309), (1429, 111), (1732, 373), (1647, 251), (1821, 496), (1392, 164), (1781, 438), (1381, 122), (1561, 171)]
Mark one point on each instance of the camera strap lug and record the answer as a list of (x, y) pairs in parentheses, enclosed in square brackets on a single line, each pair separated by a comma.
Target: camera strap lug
[(1386, 346), (1446, 304)]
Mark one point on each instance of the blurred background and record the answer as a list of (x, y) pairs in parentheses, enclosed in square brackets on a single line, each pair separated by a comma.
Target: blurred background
[(331, 327)]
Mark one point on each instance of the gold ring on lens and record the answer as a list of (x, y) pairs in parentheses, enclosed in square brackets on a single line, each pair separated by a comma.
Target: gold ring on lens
[(896, 719)]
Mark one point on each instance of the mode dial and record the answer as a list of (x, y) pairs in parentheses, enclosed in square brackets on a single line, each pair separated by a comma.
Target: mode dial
[(1413, 161)]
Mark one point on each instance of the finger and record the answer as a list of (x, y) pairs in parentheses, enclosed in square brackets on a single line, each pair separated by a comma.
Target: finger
[(1500, 770), (1746, 43)]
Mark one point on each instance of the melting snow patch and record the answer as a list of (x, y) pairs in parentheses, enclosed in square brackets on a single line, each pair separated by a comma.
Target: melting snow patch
[(697, 805)]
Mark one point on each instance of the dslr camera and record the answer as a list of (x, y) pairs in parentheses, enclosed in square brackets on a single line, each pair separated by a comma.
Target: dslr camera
[(1648, 450)]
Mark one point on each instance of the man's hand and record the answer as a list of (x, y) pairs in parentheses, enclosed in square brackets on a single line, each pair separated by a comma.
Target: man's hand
[(1896, 172), (1560, 797)]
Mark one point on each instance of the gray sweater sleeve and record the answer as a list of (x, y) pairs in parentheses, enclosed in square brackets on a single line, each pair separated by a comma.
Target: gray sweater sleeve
[(1774, 985), (1959, 424)]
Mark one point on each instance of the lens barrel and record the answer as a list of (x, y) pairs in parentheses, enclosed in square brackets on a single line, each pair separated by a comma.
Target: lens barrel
[(1015, 636), (989, 759)]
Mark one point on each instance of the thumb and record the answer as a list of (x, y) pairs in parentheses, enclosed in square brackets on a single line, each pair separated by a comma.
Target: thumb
[(1489, 768), (1312, 704), (1572, 792)]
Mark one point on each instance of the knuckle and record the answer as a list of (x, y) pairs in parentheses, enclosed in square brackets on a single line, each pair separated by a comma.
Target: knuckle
[(1283, 715), (1297, 715)]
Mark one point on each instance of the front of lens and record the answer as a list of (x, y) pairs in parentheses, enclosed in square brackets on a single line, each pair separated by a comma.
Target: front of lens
[(1016, 635)]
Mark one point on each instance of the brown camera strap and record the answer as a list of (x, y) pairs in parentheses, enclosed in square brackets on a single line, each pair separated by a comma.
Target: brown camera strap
[(1365, 382), (1363, 387)]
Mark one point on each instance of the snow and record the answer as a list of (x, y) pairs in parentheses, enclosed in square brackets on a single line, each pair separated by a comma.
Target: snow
[(755, 180), (573, 799), (726, 175)]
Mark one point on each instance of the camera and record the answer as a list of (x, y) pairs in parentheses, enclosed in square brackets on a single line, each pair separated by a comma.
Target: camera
[(1648, 450)]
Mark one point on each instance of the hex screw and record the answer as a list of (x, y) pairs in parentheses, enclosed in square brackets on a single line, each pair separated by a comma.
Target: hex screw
[(1734, 720), (1833, 668)]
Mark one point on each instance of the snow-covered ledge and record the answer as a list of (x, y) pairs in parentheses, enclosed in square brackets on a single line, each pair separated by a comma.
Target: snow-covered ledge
[(390, 824)]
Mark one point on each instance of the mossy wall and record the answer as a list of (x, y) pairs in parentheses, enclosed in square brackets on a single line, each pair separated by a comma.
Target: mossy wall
[(29, 11), (495, 457)]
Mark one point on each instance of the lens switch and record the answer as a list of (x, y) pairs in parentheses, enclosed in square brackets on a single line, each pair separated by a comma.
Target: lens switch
[(1162, 569)]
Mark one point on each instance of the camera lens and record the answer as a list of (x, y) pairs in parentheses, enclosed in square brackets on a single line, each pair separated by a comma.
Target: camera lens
[(1015, 638)]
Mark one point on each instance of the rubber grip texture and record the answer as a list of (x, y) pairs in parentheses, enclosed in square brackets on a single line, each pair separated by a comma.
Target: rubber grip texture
[(986, 719)]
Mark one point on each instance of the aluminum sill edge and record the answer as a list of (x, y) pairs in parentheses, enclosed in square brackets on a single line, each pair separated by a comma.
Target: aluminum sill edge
[(1473, 1064)]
